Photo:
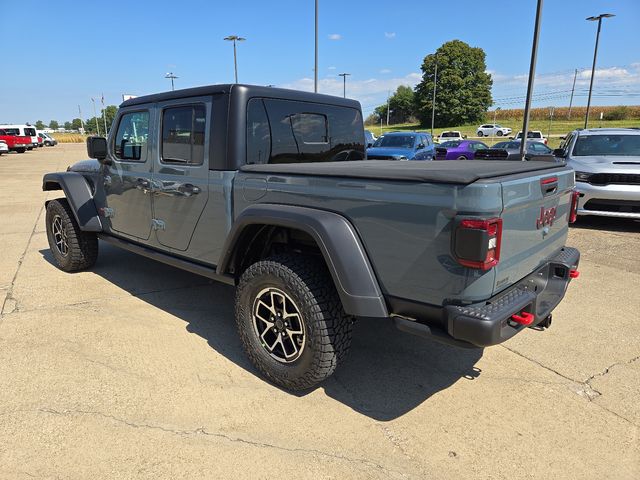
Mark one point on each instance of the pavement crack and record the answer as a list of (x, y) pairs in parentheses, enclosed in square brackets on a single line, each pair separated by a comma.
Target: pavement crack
[(233, 439)]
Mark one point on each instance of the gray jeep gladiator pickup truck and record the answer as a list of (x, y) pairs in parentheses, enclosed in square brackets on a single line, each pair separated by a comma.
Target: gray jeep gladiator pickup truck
[(269, 190)]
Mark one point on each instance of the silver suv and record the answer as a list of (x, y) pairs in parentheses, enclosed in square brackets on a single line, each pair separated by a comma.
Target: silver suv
[(607, 165)]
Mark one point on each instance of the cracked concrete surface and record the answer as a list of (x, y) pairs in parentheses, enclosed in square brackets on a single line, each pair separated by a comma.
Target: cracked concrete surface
[(134, 370)]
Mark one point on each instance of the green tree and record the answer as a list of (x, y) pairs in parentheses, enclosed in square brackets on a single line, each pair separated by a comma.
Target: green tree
[(76, 124), (401, 104), (40, 125), (67, 125), (463, 90), (54, 125)]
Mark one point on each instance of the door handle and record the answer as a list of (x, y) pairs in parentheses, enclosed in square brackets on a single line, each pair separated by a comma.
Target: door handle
[(189, 189), (143, 184)]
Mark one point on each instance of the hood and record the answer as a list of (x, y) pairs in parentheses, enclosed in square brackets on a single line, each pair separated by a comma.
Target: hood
[(88, 166), (390, 151), (630, 164)]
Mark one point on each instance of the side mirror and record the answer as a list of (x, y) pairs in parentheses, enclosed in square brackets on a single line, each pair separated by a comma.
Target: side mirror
[(558, 152), (510, 138), (97, 148), (369, 145), (420, 146), (464, 136)]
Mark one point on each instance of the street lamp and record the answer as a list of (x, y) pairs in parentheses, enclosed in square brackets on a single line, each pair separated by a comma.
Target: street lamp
[(234, 39), (344, 83), (315, 68), (172, 77), (595, 54)]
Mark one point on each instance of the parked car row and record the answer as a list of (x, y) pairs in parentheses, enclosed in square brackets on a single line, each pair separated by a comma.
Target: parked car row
[(20, 138)]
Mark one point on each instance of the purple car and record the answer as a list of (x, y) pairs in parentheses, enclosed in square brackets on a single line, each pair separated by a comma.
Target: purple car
[(458, 150)]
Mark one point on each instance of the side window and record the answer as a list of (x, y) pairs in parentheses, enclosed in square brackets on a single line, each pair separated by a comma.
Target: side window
[(183, 132), (131, 139), (566, 143), (258, 132), (310, 127)]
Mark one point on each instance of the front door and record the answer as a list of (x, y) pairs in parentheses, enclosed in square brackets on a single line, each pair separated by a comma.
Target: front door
[(180, 180), (127, 180)]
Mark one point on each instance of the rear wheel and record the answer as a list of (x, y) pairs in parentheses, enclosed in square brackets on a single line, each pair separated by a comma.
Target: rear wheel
[(461, 157), (72, 248), (291, 321), (21, 150)]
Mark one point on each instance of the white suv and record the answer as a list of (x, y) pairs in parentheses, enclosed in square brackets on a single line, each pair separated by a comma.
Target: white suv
[(491, 129), (450, 135), (533, 136)]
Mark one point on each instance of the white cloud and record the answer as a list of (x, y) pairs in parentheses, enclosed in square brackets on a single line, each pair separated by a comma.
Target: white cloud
[(334, 36), (385, 70), (332, 68), (370, 92), (390, 34)]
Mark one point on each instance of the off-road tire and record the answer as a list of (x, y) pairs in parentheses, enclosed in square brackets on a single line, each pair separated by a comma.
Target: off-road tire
[(82, 247), (328, 328)]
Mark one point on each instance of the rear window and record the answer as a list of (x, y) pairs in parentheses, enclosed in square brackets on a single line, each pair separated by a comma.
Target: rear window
[(183, 132), (450, 134), (285, 131), (396, 141), (615, 145)]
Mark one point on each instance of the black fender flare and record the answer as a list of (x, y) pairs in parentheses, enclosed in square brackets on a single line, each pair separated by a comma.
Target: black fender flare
[(338, 242), (79, 195)]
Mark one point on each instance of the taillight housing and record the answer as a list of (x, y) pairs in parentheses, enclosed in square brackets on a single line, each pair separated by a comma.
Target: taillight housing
[(573, 211), (476, 242)]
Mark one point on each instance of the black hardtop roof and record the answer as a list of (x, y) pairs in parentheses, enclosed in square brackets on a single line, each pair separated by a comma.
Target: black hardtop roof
[(248, 90)]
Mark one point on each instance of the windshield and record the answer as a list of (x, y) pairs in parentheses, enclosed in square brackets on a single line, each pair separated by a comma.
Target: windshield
[(619, 145), (450, 134), (530, 135), (397, 141)]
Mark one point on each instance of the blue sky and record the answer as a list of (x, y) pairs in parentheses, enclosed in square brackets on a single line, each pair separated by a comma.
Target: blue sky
[(69, 53)]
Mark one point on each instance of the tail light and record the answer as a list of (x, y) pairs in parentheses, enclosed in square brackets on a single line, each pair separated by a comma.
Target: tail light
[(573, 211), (477, 243)]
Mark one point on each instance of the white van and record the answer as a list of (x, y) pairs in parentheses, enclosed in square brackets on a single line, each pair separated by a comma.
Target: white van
[(23, 131)]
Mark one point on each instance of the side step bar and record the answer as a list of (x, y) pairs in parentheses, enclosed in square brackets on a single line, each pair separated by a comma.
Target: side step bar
[(209, 272)]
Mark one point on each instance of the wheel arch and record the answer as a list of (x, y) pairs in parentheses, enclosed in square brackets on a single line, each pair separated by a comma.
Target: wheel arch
[(79, 195), (332, 234)]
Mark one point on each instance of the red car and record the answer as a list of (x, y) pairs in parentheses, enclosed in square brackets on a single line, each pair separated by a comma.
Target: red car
[(15, 143)]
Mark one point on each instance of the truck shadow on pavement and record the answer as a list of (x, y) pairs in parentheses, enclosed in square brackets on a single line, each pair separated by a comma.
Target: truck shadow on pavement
[(386, 374)]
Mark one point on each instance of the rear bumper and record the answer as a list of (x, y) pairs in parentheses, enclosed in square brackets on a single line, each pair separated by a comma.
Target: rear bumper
[(490, 322)]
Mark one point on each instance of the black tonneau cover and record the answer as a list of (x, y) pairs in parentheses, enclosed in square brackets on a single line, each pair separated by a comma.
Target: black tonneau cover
[(462, 172)]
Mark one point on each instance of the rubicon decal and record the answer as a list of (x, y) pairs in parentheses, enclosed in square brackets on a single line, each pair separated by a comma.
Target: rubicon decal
[(547, 217)]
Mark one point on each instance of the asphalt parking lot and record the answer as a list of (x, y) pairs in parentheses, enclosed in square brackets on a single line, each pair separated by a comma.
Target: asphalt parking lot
[(134, 370)]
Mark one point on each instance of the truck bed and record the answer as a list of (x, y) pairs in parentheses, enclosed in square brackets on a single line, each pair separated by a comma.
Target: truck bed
[(459, 172)]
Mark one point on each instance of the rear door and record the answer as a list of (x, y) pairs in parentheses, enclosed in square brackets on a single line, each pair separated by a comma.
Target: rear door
[(535, 220), (180, 178)]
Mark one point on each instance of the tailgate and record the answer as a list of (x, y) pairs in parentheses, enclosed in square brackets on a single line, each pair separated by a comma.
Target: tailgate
[(535, 222)]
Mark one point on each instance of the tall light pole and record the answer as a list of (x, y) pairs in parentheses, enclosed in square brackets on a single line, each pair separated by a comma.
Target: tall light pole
[(595, 54), (388, 111), (172, 77), (575, 74), (532, 74), (95, 115), (344, 83), (315, 68), (495, 112), (234, 39), (433, 100)]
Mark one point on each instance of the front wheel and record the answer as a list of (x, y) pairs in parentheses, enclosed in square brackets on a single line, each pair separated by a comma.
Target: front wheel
[(291, 321), (480, 134), (499, 133), (72, 248)]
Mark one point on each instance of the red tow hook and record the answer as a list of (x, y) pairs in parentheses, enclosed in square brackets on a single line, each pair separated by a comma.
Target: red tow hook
[(574, 273), (525, 318)]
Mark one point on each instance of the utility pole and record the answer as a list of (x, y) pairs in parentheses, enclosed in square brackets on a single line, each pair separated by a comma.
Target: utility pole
[(104, 116), (344, 83), (95, 115), (80, 115), (595, 55), (388, 94), (234, 39), (495, 112), (575, 74), (551, 110), (315, 68), (172, 77), (532, 73), (433, 100)]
